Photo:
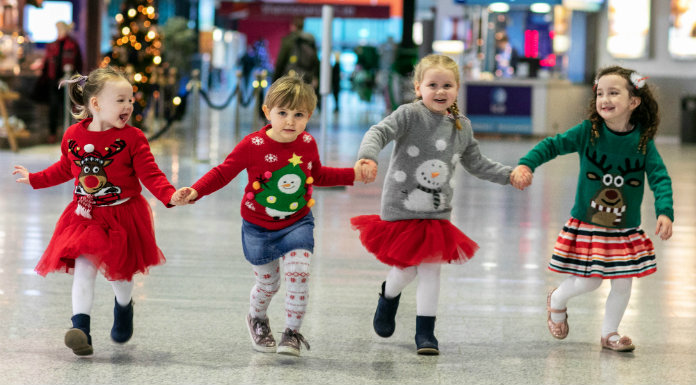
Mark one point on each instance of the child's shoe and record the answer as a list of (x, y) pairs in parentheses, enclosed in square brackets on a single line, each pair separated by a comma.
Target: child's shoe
[(623, 344), (384, 321), (558, 330), (426, 343), (291, 342), (260, 332), (122, 330), (78, 338)]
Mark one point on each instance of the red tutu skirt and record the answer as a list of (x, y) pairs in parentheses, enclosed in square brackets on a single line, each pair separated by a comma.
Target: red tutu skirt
[(412, 242), (119, 240)]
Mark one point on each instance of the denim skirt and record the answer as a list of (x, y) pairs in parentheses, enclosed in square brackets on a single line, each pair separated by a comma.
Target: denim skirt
[(262, 246)]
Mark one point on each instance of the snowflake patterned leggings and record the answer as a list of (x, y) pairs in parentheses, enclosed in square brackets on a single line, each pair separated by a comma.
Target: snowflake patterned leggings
[(296, 267)]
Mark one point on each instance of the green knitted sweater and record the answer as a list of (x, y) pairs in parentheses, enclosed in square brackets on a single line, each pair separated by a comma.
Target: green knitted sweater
[(612, 174)]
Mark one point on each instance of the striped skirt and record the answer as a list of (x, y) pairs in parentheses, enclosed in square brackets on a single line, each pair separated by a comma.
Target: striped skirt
[(587, 250)]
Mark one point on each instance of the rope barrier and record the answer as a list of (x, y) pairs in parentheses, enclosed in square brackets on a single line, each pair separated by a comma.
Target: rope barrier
[(224, 105), (257, 93)]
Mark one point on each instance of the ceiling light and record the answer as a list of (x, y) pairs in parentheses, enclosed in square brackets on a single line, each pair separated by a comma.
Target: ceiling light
[(540, 8), (499, 7)]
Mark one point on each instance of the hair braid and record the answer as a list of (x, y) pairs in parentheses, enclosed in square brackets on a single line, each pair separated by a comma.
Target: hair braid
[(454, 110)]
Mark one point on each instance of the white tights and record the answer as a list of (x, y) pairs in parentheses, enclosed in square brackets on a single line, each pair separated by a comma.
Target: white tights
[(428, 290), (85, 275), (616, 304), (296, 266)]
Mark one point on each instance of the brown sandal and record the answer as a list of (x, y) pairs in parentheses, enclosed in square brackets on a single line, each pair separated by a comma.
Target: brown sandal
[(558, 330), (623, 344)]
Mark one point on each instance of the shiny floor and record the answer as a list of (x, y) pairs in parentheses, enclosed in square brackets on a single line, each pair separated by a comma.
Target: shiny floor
[(189, 313)]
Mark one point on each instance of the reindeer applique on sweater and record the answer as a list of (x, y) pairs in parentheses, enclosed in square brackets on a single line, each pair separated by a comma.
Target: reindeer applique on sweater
[(608, 204), (94, 186)]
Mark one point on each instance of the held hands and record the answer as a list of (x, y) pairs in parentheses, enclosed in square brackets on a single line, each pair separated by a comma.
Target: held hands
[(365, 170), (521, 177), (23, 174), (664, 227), (184, 196)]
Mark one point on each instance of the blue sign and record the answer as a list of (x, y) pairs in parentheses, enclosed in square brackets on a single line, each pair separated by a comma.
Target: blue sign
[(499, 109)]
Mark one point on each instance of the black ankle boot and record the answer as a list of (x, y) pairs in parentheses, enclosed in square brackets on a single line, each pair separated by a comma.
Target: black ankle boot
[(384, 321), (122, 330), (78, 338), (426, 343)]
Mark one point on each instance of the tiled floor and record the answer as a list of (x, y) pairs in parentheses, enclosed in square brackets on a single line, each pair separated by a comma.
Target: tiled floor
[(189, 313)]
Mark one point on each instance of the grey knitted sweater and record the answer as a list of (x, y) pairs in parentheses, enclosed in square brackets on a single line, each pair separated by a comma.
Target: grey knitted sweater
[(418, 184)]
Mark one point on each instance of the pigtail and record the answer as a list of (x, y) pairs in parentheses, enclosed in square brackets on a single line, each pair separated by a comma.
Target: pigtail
[(76, 86), (647, 115), (454, 110)]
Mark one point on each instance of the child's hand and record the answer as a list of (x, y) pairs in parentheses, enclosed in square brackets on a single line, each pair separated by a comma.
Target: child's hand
[(664, 227), (521, 177), (365, 170), (23, 174), (184, 196)]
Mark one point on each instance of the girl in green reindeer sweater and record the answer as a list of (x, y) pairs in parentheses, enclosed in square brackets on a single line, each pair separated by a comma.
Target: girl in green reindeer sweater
[(602, 239)]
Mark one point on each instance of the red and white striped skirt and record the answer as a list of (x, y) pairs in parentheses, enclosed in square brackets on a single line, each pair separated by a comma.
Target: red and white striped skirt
[(586, 250)]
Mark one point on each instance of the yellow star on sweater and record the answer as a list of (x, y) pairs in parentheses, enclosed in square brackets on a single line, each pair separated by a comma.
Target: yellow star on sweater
[(295, 160)]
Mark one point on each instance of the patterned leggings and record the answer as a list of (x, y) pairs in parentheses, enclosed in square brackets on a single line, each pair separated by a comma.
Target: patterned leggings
[(296, 267)]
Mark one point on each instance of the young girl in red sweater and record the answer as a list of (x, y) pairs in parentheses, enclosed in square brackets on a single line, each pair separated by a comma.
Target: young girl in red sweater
[(108, 226), (282, 163)]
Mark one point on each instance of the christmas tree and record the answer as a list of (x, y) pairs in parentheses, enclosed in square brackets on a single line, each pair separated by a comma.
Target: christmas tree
[(284, 189), (136, 48)]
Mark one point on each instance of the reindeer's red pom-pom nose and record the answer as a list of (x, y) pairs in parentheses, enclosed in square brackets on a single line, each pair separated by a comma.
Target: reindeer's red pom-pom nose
[(91, 181)]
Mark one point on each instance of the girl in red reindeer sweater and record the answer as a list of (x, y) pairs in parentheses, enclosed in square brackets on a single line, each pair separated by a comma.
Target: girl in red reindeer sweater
[(108, 226)]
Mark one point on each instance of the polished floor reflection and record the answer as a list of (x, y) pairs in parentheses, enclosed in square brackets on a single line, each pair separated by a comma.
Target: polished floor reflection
[(189, 313)]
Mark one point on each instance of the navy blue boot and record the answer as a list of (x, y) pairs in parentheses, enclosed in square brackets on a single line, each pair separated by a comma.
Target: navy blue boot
[(384, 321), (122, 330), (426, 343), (78, 338)]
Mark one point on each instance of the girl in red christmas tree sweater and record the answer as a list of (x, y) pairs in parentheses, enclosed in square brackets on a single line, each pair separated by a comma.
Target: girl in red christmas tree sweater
[(108, 226), (282, 163)]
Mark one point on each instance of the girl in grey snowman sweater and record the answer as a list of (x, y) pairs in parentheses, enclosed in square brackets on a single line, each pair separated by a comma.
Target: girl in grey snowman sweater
[(413, 233)]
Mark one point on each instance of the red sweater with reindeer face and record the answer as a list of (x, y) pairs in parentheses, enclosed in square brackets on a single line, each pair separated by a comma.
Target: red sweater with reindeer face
[(108, 165)]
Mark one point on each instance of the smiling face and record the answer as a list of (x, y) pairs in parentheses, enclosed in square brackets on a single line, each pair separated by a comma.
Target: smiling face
[(113, 105), (438, 89), (614, 101), (432, 173), (286, 123), (289, 184)]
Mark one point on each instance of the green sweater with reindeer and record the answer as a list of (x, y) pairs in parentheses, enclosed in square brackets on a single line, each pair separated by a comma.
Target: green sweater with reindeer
[(612, 174)]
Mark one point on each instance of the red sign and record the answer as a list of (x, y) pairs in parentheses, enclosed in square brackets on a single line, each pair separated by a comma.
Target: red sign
[(262, 10)]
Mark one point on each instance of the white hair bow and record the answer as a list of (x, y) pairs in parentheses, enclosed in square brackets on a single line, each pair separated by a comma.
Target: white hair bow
[(638, 80)]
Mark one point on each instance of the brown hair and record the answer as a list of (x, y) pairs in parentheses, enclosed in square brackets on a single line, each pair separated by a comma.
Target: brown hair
[(646, 114), (81, 91), (444, 62), (290, 91)]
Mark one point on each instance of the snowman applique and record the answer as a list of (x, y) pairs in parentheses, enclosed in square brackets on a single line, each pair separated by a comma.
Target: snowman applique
[(288, 185), (430, 176)]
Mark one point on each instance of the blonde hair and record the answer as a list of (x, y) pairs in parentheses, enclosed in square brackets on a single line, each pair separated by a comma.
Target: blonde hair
[(81, 91), (290, 91), (446, 63)]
